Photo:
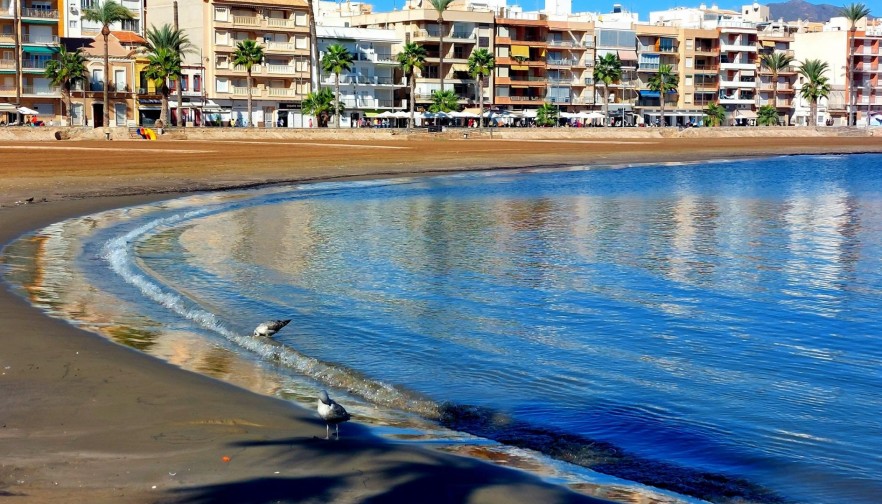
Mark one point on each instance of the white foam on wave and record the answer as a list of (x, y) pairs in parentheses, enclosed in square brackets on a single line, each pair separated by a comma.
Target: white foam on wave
[(118, 254)]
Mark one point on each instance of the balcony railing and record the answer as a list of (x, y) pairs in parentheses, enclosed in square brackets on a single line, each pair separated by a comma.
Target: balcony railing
[(281, 92), (281, 69), (280, 46), (242, 90), (255, 70), (33, 64), (246, 20), (39, 13), (7, 64), (363, 80), (41, 90), (28, 38), (562, 62), (280, 23)]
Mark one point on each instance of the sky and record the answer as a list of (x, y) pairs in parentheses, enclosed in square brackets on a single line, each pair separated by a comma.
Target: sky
[(642, 7)]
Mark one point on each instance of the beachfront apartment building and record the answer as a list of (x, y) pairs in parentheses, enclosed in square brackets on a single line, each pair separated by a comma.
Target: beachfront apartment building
[(569, 63), (466, 27), (73, 25), (830, 46), (521, 81), (738, 68), (29, 38), (215, 27), (776, 37), (371, 86)]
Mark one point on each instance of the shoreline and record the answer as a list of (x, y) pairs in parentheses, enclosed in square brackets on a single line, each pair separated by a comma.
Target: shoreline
[(87, 420)]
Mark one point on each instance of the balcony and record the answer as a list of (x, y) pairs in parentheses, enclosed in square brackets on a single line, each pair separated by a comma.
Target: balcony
[(255, 70), (707, 69), (28, 38), (738, 65), (244, 91), (246, 21), (282, 69), (377, 57), (724, 47), (281, 92), (34, 64), (285, 47), (725, 83), (7, 64), (283, 23), (565, 62), (363, 80), (30, 12), (41, 91), (366, 103)]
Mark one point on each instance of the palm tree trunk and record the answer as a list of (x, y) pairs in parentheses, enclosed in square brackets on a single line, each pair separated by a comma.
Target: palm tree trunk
[(481, 103), (850, 83), (775, 89), (661, 103), (813, 110), (67, 94), (412, 82), (106, 78), (606, 104), (337, 99), (163, 114), (441, 49), (250, 115)]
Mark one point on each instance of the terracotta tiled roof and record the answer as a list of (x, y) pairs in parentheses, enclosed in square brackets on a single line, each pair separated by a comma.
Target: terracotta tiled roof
[(127, 37)]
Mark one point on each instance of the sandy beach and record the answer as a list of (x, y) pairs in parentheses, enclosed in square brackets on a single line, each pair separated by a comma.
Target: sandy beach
[(83, 419)]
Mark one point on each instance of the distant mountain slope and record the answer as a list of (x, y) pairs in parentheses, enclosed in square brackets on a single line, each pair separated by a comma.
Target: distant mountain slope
[(798, 9)]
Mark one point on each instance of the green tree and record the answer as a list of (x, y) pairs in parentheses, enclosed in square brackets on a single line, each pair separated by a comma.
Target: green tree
[(776, 62), (816, 85), (163, 65), (320, 104), (444, 101), (64, 70), (663, 82), (176, 40), (714, 114), (441, 6), (607, 70), (248, 54), (411, 59), (481, 63), (853, 12), (767, 115), (106, 14), (546, 114), (337, 59)]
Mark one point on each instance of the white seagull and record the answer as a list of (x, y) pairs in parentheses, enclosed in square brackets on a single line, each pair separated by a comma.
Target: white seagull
[(270, 327), (331, 413)]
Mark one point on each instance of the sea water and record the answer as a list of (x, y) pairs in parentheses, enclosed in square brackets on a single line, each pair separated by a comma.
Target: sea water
[(711, 329)]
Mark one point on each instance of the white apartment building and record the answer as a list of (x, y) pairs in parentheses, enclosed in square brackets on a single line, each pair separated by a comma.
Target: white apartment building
[(370, 87)]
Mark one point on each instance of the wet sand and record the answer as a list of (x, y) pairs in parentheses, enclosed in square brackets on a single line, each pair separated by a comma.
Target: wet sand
[(86, 420)]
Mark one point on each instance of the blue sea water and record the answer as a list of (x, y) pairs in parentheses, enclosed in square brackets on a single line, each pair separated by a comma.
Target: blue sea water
[(711, 328)]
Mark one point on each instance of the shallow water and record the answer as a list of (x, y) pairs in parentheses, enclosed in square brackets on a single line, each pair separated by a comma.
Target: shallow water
[(708, 328)]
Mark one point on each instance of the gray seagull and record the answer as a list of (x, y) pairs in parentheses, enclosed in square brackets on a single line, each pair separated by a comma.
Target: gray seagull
[(270, 327), (331, 413)]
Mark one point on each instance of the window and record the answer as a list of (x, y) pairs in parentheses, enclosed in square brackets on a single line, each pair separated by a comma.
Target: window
[(300, 19), (222, 85), (689, 80), (301, 42), (687, 98), (222, 62), (197, 83), (185, 82), (119, 110), (688, 62), (483, 41), (689, 44), (221, 14), (222, 38), (133, 25)]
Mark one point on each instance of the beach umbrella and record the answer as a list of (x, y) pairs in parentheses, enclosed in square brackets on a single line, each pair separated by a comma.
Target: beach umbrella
[(386, 114), (27, 111)]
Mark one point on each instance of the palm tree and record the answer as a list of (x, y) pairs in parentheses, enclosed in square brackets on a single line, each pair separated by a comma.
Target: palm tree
[(441, 6), (816, 86), (767, 115), (715, 114), (853, 12), (481, 63), (337, 59), (62, 72), (107, 13), (411, 59), (163, 65), (319, 104), (776, 62), (607, 69), (248, 54), (663, 82), (444, 101), (546, 114), (175, 39)]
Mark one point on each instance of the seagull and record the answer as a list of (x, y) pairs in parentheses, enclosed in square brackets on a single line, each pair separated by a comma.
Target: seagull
[(331, 413), (270, 327)]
